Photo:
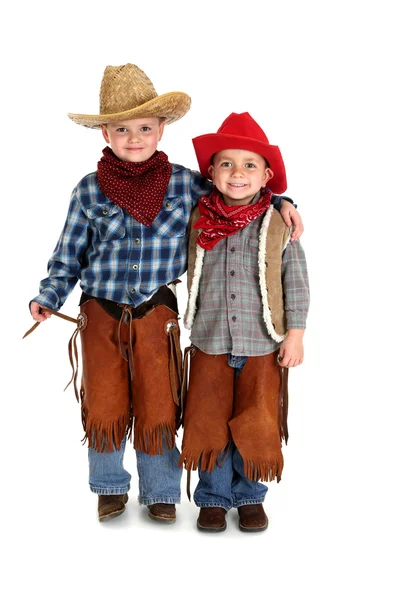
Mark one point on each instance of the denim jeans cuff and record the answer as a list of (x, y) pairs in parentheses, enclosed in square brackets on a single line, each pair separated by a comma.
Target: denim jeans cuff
[(112, 491), (149, 501), (238, 503), (213, 505)]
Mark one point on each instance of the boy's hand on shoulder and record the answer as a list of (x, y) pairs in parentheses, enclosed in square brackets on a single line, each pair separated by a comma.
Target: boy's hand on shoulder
[(39, 312), (291, 351), (292, 218)]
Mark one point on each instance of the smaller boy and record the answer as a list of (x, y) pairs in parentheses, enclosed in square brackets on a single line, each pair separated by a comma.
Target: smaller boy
[(248, 296)]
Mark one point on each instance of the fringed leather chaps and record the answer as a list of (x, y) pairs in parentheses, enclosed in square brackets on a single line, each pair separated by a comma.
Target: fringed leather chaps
[(247, 412), (131, 378)]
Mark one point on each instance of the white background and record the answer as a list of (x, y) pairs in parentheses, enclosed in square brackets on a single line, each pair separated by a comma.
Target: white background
[(321, 78)]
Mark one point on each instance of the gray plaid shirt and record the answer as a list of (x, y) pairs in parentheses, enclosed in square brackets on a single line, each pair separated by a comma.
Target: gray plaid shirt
[(229, 308)]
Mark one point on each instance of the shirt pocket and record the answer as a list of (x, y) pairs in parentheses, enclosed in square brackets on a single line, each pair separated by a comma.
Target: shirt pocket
[(250, 256), (108, 220), (171, 221)]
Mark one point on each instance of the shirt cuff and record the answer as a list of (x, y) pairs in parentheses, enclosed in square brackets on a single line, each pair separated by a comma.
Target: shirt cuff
[(296, 320), (49, 299), (277, 201)]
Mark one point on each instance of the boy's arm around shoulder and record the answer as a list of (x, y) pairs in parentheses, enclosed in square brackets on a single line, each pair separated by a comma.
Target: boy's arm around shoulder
[(289, 214), (192, 246), (199, 186)]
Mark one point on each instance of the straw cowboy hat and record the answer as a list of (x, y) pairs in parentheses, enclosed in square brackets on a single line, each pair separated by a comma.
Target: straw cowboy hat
[(127, 93), (241, 132)]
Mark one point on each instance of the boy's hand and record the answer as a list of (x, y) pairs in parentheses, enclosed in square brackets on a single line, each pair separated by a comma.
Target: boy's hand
[(39, 312), (292, 217), (291, 351)]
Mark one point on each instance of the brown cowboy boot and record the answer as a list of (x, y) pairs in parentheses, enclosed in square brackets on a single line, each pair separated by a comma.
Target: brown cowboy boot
[(111, 506), (162, 512), (252, 517), (212, 519)]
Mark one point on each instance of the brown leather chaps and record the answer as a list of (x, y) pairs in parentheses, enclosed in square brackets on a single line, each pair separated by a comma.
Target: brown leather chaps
[(247, 412), (131, 378)]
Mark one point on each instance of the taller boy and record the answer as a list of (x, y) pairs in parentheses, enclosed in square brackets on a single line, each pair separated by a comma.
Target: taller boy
[(125, 239)]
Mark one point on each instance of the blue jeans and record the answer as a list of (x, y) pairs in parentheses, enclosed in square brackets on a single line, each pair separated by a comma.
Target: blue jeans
[(227, 486), (159, 475)]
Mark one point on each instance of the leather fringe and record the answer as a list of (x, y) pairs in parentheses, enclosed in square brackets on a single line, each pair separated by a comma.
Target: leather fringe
[(74, 355), (206, 460), (81, 323), (188, 353), (150, 440), (105, 437), (284, 404), (263, 471), (175, 362)]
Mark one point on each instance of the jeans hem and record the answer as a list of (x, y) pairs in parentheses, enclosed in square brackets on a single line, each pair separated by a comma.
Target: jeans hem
[(112, 491), (149, 501), (248, 501), (212, 505)]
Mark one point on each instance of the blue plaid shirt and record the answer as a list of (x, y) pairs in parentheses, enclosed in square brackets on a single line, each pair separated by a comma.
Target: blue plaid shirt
[(114, 256)]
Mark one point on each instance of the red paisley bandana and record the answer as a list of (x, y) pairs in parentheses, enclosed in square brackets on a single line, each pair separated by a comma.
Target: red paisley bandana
[(219, 220), (139, 187)]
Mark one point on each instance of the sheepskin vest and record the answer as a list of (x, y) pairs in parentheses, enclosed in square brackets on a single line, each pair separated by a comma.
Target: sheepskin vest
[(274, 237)]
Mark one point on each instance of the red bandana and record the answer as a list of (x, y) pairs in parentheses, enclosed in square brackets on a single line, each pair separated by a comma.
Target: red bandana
[(139, 187), (219, 220)]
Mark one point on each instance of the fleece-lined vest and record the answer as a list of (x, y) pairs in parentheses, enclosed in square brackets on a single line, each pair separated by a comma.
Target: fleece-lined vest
[(274, 237)]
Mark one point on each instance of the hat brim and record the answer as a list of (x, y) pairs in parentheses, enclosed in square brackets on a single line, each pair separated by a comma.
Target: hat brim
[(171, 107), (207, 145)]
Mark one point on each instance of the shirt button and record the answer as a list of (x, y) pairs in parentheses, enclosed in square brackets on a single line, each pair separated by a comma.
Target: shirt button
[(232, 273), (233, 296), (137, 241), (168, 205), (135, 267), (132, 290), (233, 319), (105, 211), (232, 249)]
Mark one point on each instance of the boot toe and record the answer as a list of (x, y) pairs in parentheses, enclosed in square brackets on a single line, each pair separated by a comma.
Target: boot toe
[(111, 506), (252, 517), (162, 512), (212, 519)]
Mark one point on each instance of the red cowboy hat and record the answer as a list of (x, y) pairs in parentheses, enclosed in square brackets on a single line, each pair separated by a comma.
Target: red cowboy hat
[(241, 132)]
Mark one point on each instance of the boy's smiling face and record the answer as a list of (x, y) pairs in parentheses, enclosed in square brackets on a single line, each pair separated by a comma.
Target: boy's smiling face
[(134, 140), (239, 175)]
